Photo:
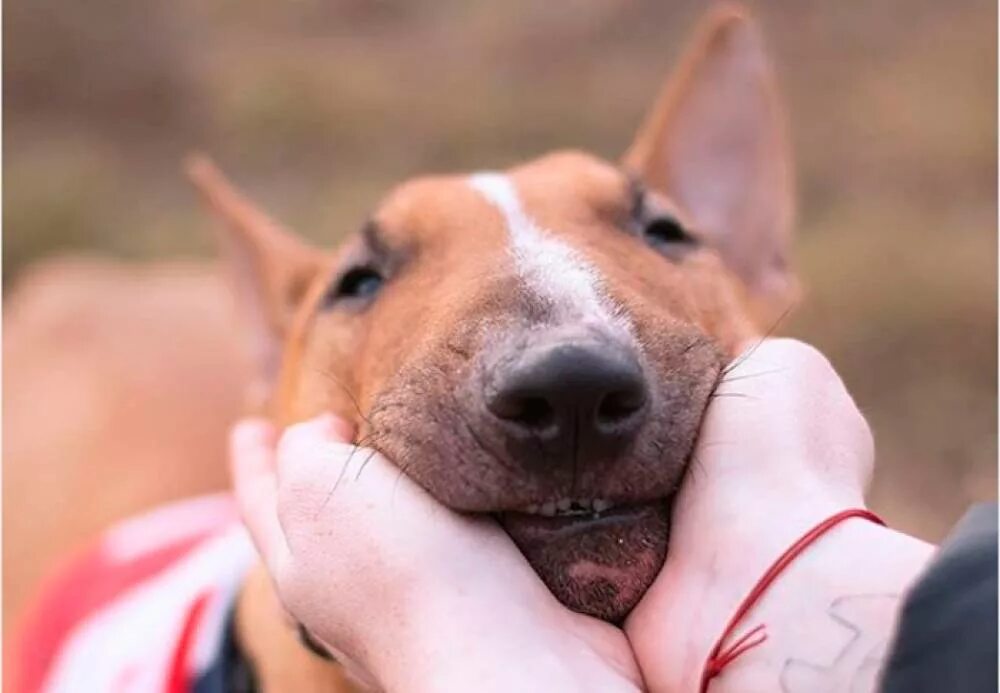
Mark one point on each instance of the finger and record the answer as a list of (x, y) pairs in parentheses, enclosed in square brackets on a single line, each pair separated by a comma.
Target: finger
[(251, 458), (313, 445), (788, 375), (783, 396), (312, 461), (772, 382), (320, 475)]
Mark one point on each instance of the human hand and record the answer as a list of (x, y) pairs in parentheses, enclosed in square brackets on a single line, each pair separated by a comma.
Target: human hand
[(782, 447), (407, 593)]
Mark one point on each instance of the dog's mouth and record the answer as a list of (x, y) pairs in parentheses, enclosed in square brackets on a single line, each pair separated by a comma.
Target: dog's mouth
[(589, 506), (597, 557)]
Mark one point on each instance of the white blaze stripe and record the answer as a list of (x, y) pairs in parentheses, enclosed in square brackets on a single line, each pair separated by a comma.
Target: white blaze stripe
[(549, 267)]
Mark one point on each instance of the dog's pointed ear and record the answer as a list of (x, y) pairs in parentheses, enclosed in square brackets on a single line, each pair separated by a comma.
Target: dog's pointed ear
[(271, 269), (716, 143)]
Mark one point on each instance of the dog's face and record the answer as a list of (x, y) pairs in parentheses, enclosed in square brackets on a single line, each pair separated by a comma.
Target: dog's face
[(541, 343)]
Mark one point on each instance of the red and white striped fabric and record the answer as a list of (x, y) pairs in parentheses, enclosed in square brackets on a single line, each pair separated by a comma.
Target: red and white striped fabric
[(144, 609)]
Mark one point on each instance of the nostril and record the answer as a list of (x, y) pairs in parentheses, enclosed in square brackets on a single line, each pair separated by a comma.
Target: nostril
[(620, 405), (525, 410), (536, 413)]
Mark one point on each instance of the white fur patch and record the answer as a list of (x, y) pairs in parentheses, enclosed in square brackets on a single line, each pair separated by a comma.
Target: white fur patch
[(550, 268)]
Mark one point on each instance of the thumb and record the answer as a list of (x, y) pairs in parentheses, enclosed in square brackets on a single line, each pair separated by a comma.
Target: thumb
[(251, 460)]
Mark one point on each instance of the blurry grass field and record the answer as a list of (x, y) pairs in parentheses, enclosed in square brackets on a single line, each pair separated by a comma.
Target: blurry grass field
[(317, 106)]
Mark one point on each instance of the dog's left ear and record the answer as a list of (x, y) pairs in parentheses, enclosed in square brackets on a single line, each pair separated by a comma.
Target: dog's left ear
[(271, 271), (715, 142)]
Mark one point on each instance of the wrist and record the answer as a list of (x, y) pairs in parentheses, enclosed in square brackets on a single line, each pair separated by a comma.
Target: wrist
[(703, 590), (716, 576), (830, 614)]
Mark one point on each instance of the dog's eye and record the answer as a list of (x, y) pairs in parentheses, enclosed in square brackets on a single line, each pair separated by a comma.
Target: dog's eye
[(664, 231), (360, 282), (655, 223), (357, 282)]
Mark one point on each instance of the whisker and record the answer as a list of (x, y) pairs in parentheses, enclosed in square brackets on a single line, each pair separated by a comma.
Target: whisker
[(715, 444), (732, 394), (746, 376), (350, 395), (695, 467), (365, 463), (336, 483), (363, 442), (749, 352), (694, 342), (343, 470), (395, 485)]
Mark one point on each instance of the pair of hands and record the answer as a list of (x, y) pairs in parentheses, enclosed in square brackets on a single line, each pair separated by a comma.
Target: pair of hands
[(411, 595)]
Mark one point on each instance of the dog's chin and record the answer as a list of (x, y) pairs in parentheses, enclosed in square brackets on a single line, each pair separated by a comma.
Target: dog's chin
[(596, 563)]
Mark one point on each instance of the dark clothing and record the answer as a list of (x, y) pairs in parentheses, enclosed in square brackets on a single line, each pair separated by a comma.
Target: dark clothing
[(946, 640)]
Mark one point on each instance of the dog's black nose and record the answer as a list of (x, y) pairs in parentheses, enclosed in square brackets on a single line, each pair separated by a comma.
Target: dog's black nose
[(586, 395)]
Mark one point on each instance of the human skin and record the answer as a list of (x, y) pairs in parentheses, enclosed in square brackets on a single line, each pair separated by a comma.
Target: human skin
[(372, 565), (783, 447), (407, 593)]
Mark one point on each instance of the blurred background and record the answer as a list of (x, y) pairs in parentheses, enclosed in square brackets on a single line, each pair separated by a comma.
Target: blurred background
[(317, 106)]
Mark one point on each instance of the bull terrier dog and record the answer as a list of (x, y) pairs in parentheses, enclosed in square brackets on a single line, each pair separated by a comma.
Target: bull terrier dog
[(538, 344)]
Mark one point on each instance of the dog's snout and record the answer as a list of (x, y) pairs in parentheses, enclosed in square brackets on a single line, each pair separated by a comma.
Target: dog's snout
[(582, 393)]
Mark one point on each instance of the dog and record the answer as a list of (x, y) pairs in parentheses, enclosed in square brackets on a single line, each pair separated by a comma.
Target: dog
[(539, 344)]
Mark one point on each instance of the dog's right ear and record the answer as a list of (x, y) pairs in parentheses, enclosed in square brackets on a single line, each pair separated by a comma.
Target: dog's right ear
[(271, 270), (716, 143)]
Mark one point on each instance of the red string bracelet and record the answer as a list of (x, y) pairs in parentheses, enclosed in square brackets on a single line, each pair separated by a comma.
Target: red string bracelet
[(718, 659)]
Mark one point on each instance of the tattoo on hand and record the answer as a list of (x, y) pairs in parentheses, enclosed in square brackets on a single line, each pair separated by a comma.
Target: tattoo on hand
[(855, 668)]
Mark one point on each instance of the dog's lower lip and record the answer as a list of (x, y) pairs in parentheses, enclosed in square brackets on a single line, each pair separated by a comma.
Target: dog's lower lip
[(599, 564)]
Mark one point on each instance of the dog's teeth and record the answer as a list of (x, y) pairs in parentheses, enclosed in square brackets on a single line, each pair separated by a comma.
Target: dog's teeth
[(566, 506)]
